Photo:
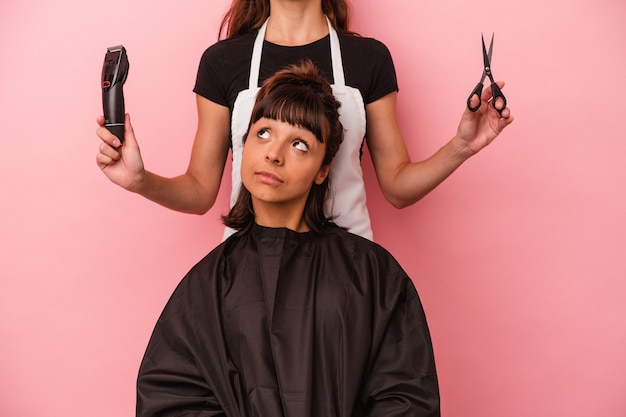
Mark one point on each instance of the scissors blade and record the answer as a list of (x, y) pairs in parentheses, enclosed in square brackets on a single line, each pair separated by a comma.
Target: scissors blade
[(487, 55), (485, 60)]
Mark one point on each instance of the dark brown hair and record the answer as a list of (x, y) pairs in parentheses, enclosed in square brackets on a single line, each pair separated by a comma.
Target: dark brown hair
[(301, 96), (244, 16)]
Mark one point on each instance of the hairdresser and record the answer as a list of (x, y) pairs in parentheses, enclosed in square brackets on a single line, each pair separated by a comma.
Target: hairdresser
[(262, 37)]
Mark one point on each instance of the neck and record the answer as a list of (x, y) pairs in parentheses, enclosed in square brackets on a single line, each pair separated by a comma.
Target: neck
[(296, 22), (279, 215)]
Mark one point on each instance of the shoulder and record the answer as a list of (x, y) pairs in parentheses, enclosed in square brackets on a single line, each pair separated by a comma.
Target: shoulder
[(238, 45), (368, 66), (364, 45), (368, 270), (366, 254), (224, 69), (204, 273)]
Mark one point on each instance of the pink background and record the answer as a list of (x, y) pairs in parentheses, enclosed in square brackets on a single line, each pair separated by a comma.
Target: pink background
[(519, 257)]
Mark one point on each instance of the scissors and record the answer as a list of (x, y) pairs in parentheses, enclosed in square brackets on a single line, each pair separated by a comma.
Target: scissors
[(496, 92)]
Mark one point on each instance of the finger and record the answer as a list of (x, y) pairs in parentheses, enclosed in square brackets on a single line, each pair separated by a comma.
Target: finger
[(488, 93), (129, 132), (499, 104), (103, 160), (110, 152), (506, 113), (100, 120), (506, 119), (474, 101), (107, 137)]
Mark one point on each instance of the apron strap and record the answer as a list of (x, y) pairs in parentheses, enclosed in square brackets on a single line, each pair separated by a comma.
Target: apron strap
[(335, 54), (255, 62)]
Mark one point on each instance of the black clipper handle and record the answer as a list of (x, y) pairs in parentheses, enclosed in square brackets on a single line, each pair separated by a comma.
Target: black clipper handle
[(114, 73)]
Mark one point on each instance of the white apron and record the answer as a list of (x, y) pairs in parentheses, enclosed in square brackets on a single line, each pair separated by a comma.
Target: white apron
[(347, 202)]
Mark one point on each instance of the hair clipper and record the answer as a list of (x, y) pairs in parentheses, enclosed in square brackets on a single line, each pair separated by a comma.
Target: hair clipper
[(114, 73)]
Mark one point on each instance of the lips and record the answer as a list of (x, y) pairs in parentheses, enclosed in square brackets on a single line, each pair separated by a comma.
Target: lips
[(267, 177)]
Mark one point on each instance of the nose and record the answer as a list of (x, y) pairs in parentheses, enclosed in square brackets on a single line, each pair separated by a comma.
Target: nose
[(274, 153)]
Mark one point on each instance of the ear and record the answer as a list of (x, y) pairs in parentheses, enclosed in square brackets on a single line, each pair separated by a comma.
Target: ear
[(322, 174)]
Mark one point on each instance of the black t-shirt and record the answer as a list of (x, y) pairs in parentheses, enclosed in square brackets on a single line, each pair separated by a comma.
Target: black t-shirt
[(224, 69)]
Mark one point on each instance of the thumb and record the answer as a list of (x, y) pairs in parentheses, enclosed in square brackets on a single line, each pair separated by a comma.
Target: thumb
[(129, 133)]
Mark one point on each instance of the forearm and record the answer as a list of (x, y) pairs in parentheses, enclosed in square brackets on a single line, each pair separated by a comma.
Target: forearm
[(182, 193), (404, 182), (414, 180)]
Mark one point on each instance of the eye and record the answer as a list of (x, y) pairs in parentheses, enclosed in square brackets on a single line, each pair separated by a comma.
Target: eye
[(263, 133), (301, 145)]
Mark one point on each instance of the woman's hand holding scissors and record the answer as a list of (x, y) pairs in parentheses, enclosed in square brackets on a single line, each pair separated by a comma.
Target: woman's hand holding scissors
[(486, 114), (479, 128)]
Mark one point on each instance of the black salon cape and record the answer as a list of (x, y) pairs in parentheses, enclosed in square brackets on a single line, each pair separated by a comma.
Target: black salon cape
[(277, 323)]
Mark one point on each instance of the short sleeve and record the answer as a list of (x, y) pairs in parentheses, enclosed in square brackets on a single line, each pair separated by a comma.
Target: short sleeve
[(383, 77), (210, 79)]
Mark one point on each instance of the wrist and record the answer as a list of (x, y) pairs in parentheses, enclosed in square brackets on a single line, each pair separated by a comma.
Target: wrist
[(139, 182), (460, 149)]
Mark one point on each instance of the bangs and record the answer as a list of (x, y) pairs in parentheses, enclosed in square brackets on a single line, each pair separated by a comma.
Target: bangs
[(296, 105)]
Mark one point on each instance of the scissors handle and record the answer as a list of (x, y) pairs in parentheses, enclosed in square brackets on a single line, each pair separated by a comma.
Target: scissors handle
[(496, 92), (477, 91)]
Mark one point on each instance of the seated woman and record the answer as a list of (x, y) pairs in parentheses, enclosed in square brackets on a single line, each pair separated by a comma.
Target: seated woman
[(292, 315)]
